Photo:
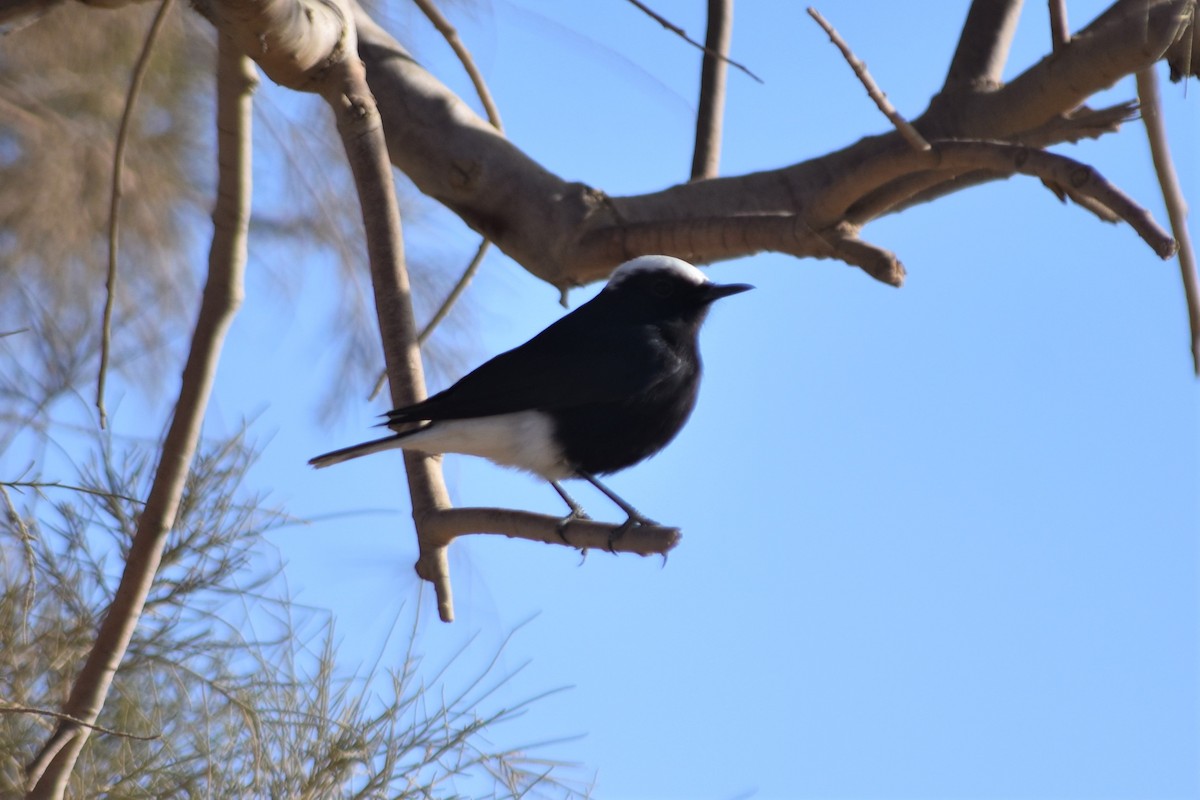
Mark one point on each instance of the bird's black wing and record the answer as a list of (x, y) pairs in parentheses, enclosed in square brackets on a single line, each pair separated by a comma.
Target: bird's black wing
[(569, 364)]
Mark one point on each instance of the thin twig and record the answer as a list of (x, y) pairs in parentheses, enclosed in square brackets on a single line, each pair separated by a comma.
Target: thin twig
[(910, 134), (39, 485), (461, 286), (1164, 166), (45, 712), (706, 157), (449, 33), (1060, 34), (30, 561), (140, 68), (682, 34), (444, 309)]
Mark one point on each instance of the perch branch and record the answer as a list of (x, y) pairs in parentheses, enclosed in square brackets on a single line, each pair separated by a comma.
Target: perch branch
[(910, 134), (140, 68), (1164, 166), (48, 772), (706, 156), (583, 534)]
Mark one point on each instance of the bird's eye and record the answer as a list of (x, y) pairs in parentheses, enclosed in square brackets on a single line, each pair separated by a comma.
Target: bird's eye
[(662, 288)]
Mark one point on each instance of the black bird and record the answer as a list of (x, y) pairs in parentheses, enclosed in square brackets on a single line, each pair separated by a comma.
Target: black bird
[(601, 389)]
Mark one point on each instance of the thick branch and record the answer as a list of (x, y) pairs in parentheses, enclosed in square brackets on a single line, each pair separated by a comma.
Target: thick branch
[(569, 233), (1128, 37), (50, 769), (293, 41), (983, 46), (1067, 175)]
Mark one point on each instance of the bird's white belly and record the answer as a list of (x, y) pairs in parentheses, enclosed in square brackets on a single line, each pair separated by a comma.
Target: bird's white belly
[(524, 439)]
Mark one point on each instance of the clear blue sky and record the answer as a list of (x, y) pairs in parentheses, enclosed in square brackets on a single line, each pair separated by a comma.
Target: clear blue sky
[(938, 541)]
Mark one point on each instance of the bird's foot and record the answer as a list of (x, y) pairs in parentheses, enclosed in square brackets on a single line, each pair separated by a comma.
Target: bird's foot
[(634, 520), (576, 514)]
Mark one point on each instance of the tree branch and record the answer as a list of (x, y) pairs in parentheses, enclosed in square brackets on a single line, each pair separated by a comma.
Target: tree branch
[(443, 310), (358, 122), (1093, 60), (293, 41), (140, 67), (978, 61), (1060, 31), (448, 33), (682, 34), (1164, 166), (1069, 176), (584, 534), (570, 233), (910, 134), (706, 157), (50, 769)]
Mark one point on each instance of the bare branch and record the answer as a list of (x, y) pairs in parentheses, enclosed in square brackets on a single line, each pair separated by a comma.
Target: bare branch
[(584, 534), (706, 157), (910, 134), (359, 125), (1060, 32), (983, 45), (448, 32), (443, 311), (140, 68), (291, 40), (880, 264), (1122, 40), (682, 34), (1168, 179), (6, 708), (570, 233), (1183, 57), (50, 769)]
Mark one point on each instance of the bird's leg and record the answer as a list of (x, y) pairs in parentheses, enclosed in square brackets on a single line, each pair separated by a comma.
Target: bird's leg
[(577, 511), (633, 516)]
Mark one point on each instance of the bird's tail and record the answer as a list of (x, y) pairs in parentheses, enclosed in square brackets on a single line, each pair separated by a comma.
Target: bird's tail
[(355, 451)]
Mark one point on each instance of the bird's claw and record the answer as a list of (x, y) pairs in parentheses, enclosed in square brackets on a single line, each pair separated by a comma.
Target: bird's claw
[(634, 520), (561, 528)]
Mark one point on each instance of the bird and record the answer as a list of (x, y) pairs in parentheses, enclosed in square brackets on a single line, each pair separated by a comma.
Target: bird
[(599, 390)]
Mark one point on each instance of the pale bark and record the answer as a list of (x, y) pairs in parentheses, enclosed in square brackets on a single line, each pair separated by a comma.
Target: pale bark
[(570, 233)]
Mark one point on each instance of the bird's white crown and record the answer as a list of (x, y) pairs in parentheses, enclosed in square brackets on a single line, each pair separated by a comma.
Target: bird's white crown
[(666, 264)]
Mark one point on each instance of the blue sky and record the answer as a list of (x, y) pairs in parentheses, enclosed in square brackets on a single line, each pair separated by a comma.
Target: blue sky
[(938, 541)]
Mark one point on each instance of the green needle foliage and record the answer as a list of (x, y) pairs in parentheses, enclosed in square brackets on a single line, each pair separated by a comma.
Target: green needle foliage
[(228, 690)]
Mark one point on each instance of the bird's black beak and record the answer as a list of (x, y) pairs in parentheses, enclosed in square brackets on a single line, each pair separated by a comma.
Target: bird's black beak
[(715, 291)]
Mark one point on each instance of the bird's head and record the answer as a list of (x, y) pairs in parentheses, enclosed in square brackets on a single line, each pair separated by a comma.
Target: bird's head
[(665, 288)]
